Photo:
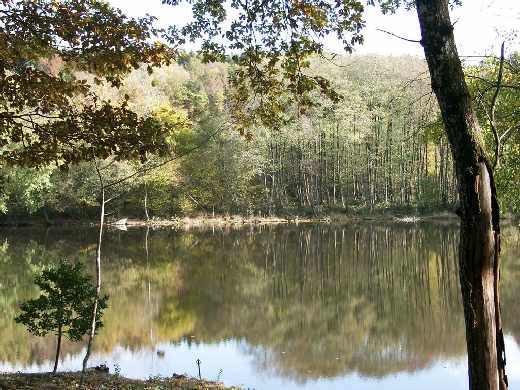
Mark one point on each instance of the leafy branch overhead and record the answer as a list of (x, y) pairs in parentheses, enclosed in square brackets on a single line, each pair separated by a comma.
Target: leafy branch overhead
[(271, 44), (48, 112)]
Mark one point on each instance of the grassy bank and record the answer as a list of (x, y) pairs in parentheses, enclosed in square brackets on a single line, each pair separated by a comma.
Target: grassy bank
[(95, 380)]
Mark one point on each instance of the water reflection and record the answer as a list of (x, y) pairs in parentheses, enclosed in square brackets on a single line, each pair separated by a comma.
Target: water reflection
[(302, 303)]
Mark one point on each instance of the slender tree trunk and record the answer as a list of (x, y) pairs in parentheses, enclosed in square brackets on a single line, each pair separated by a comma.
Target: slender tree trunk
[(98, 283), (58, 348), (146, 201), (480, 230)]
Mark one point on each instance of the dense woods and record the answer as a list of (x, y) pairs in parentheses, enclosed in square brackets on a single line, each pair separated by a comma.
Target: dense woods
[(381, 147)]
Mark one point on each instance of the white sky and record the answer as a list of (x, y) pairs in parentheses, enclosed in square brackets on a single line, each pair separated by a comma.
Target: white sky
[(479, 30)]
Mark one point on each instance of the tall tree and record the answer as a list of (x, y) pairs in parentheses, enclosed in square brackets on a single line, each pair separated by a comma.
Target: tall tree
[(275, 40), (479, 212)]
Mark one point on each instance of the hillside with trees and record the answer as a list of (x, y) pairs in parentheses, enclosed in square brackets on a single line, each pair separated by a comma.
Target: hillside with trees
[(382, 147)]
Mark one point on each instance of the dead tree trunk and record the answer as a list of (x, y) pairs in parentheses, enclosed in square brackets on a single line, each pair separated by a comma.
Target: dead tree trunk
[(480, 230)]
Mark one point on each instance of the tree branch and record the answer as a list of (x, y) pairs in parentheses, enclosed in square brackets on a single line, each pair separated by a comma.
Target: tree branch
[(491, 83), (492, 121), (145, 170), (509, 131), (398, 36)]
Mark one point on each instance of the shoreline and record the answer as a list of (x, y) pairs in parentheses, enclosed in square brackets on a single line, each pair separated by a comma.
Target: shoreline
[(233, 221), (239, 220), (97, 379), (236, 220)]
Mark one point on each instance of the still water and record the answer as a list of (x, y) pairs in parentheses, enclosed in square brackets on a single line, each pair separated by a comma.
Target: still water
[(363, 306)]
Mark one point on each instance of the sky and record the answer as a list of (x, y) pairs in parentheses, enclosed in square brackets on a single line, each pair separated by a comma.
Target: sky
[(479, 28)]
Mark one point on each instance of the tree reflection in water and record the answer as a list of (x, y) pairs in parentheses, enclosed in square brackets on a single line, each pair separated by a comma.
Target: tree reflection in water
[(310, 301)]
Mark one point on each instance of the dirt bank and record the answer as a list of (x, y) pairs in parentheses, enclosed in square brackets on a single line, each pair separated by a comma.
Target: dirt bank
[(95, 380)]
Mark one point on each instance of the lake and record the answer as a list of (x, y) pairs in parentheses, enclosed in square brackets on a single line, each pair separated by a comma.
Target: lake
[(313, 306)]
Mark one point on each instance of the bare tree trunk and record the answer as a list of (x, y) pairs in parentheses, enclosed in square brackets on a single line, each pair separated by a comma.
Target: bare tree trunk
[(58, 348), (480, 229), (98, 280), (146, 201)]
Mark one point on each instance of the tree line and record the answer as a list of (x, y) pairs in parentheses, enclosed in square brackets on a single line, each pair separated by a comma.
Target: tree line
[(382, 147)]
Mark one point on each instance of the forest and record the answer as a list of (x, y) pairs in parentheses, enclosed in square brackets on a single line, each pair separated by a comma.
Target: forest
[(381, 148)]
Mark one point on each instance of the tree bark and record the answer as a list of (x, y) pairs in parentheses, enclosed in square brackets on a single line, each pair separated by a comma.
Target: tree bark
[(480, 229), (58, 348)]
